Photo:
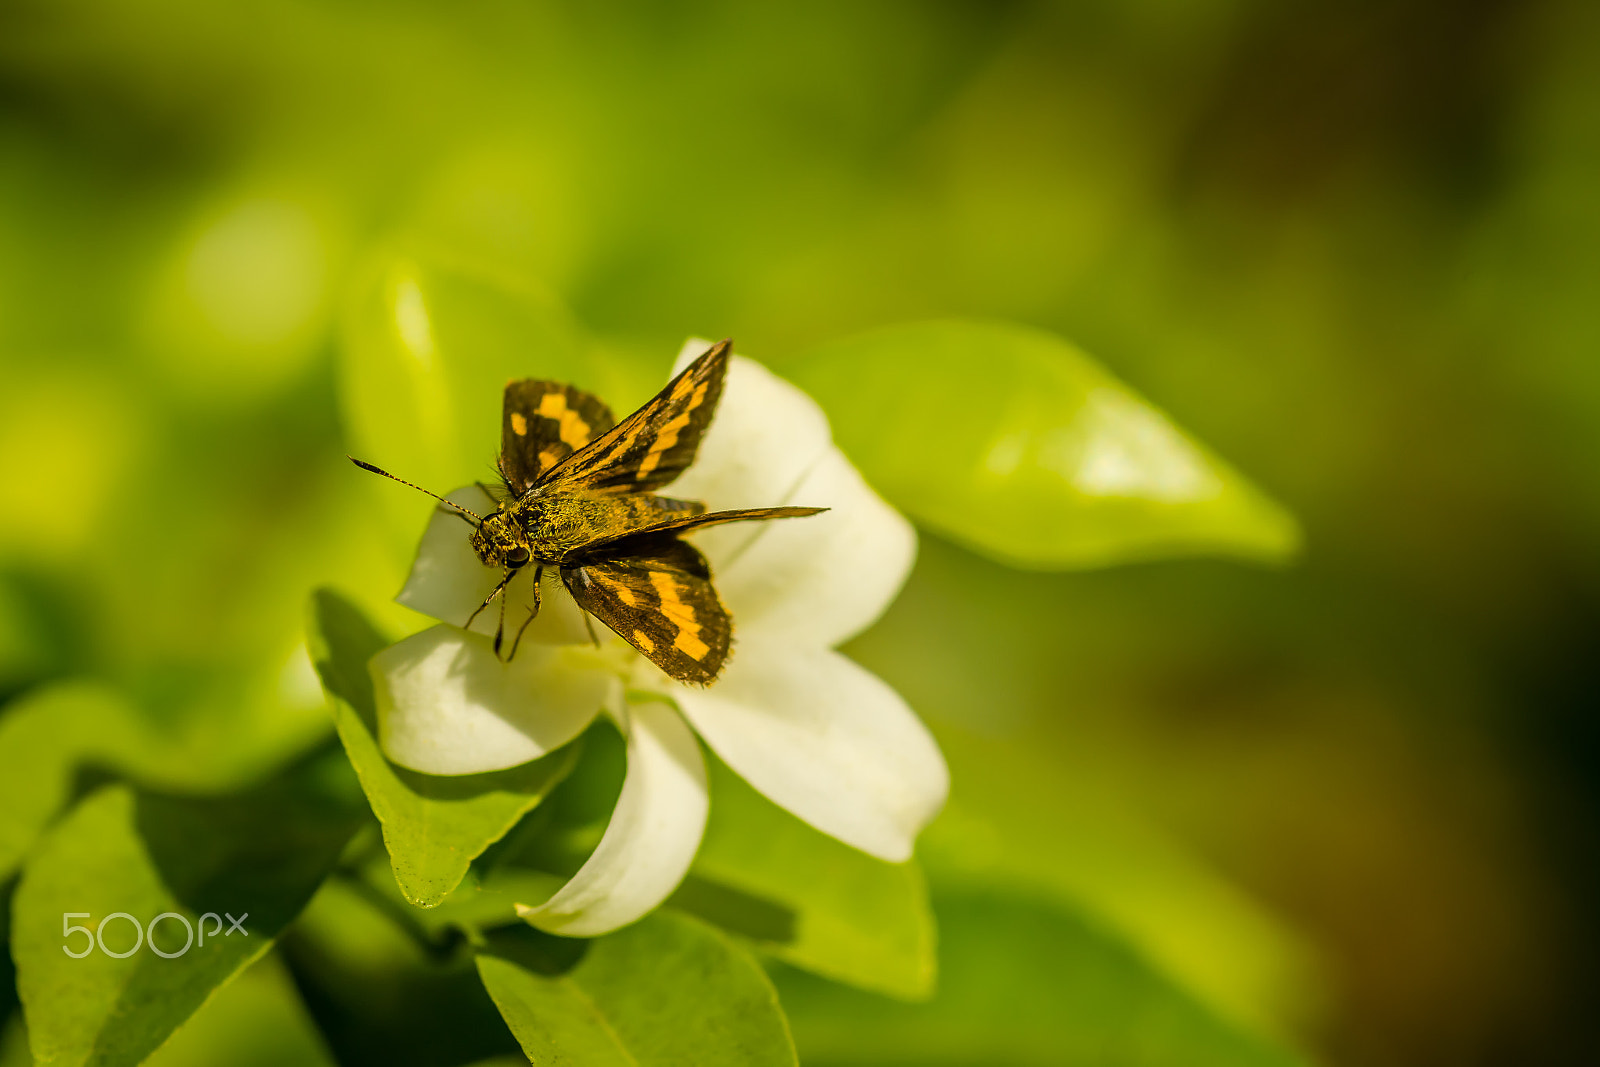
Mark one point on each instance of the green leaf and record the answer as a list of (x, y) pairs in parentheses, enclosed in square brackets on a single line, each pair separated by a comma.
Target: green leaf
[(258, 857), (42, 739), (257, 1020), (484, 900), (49, 735), (808, 899), (382, 995), (1024, 983), (428, 346), (1015, 443), (666, 990), (433, 826)]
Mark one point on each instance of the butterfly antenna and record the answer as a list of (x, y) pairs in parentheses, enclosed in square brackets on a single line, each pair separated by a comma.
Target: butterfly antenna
[(448, 503)]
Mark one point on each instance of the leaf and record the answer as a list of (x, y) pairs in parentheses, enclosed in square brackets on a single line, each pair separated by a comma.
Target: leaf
[(258, 857), (433, 826), (428, 346), (484, 900), (667, 990), (49, 735), (1015, 443), (42, 739), (1024, 983), (379, 994), (809, 899), (257, 1020)]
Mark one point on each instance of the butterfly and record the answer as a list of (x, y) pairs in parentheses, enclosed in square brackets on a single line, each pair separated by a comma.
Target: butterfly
[(578, 494)]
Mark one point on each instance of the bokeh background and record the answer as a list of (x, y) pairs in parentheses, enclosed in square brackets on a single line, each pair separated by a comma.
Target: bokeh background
[(1354, 247)]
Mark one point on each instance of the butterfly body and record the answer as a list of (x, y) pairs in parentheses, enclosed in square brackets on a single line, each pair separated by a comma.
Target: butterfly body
[(579, 495), (555, 528)]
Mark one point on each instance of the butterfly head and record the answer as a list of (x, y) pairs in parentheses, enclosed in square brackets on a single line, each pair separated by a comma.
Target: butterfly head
[(499, 543)]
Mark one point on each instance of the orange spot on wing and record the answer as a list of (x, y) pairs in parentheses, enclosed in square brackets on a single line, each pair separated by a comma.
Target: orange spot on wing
[(690, 645), (668, 438), (670, 432), (519, 425), (680, 615), (574, 432), (623, 444)]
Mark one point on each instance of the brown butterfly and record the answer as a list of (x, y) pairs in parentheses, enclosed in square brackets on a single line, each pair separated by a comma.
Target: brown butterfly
[(579, 494)]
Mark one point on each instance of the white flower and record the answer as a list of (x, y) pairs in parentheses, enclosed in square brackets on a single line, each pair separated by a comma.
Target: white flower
[(813, 731)]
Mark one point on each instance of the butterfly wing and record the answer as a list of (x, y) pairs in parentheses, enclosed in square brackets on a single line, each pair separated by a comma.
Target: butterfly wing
[(627, 543), (661, 601), (689, 523), (655, 444), (542, 424)]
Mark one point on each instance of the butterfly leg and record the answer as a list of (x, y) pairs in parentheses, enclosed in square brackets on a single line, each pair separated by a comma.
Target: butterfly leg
[(588, 621), (533, 613), (490, 598), (500, 627)]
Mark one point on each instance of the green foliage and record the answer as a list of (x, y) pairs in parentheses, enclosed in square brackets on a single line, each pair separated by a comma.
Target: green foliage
[(1015, 443), (1024, 983), (433, 826), (256, 1020), (666, 990), (260, 855), (382, 995), (481, 903), (59, 731), (43, 739), (807, 899)]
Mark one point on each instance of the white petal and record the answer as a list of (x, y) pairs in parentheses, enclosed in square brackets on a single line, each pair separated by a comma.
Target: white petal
[(446, 705), (651, 839), (764, 438), (825, 739), (448, 581), (823, 579)]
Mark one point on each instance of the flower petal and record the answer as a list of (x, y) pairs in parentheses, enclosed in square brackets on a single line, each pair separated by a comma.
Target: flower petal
[(447, 705), (823, 579), (825, 739), (651, 839), (448, 581), (766, 435)]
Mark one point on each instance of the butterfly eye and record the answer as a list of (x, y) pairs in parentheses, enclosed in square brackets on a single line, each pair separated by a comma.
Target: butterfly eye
[(517, 556)]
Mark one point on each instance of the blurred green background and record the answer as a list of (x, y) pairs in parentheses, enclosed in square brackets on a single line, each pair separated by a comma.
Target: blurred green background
[(1353, 247)]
